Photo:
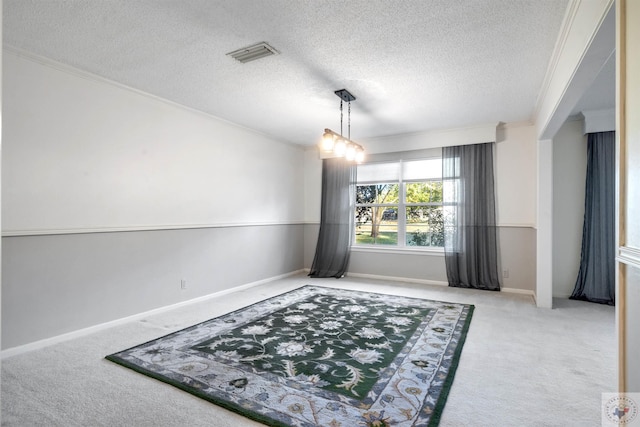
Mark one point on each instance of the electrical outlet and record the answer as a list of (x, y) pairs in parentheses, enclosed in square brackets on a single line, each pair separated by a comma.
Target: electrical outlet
[(505, 274), (183, 284)]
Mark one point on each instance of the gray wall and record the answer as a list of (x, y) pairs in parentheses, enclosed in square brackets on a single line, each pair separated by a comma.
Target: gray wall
[(517, 246), (56, 284), (569, 177), (413, 266), (310, 240), (90, 168)]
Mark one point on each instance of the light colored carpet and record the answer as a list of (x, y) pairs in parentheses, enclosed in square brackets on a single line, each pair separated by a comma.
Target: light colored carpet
[(520, 366)]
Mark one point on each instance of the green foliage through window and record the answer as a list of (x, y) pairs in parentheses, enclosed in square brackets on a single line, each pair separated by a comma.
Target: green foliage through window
[(400, 214)]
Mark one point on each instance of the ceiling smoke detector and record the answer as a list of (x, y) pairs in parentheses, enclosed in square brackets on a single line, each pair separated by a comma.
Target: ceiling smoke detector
[(253, 52)]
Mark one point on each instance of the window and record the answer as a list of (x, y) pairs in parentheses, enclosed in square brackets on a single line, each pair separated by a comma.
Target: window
[(400, 204)]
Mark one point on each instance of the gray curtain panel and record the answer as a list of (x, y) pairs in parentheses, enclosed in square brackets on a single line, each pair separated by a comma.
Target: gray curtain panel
[(336, 220), (596, 277), (470, 237)]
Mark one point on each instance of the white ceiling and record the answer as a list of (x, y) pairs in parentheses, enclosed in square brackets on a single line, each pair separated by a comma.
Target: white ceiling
[(413, 65), (602, 93)]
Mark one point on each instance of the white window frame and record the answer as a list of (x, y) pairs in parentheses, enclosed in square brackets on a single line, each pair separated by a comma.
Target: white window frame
[(402, 213)]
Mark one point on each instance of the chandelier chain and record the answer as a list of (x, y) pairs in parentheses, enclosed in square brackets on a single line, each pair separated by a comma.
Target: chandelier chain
[(341, 117), (349, 121)]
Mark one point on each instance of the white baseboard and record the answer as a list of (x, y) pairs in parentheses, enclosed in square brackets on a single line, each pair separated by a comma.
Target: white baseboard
[(434, 282), (520, 292), (562, 296), (398, 279), (517, 291), (36, 345)]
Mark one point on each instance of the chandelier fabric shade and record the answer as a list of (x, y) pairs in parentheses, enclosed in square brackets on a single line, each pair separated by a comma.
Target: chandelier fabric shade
[(335, 144)]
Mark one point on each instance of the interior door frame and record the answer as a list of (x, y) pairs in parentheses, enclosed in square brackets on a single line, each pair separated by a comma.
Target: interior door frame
[(627, 252)]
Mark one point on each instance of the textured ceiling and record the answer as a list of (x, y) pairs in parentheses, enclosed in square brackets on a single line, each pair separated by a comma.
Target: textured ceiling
[(414, 65)]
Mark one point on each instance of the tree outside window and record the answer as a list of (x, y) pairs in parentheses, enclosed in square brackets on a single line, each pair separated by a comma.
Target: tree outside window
[(404, 213), (377, 214), (424, 218)]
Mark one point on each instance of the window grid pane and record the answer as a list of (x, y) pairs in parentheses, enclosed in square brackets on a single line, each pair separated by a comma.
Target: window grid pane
[(377, 225), (379, 202), (377, 194), (425, 226)]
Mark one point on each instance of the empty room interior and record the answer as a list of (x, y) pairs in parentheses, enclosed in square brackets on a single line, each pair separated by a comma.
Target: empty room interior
[(168, 163)]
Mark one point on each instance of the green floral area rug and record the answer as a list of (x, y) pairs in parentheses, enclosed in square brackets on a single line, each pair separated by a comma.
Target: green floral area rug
[(317, 356)]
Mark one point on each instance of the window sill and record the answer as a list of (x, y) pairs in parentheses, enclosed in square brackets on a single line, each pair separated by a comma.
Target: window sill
[(399, 250)]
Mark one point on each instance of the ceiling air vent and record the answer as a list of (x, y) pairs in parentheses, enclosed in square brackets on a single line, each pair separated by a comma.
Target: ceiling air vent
[(253, 52)]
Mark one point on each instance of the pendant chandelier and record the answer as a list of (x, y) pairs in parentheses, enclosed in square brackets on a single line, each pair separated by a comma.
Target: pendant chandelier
[(336, 144)]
